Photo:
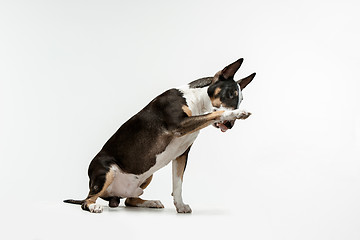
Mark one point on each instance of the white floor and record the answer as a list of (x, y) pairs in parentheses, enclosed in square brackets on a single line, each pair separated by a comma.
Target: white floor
[(278, 196), (230, 219), (64, 221)]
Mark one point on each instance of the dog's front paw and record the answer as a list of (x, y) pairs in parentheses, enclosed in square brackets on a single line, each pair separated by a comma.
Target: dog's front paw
[(95, 208), (235, 114), (243, 115), (183, 208)]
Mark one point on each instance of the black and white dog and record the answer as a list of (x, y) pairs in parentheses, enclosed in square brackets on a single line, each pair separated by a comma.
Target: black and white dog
[(160, 133)]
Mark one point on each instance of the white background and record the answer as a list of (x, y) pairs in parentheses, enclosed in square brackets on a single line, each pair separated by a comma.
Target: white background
[(71, 72)]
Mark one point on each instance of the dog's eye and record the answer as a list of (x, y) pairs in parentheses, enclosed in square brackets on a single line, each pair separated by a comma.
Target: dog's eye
[(231, 95)]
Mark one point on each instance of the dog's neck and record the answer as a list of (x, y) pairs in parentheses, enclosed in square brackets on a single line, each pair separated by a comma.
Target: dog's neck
[(197, 99)]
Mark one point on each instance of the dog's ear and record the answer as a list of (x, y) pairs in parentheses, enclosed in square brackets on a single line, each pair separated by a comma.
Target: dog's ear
[(229, 71), (245, 81)]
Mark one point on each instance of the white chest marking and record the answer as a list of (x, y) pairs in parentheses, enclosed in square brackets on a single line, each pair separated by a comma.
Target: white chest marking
[(176, 147)]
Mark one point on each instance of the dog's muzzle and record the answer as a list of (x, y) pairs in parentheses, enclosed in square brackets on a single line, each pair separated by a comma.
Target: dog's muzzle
[(225, 125)]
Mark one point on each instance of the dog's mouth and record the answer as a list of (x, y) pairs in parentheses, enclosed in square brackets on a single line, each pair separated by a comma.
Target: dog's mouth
[(225, 125)]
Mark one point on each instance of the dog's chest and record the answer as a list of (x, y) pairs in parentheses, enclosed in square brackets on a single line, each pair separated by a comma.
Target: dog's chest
[(175, 149), (196, 101)]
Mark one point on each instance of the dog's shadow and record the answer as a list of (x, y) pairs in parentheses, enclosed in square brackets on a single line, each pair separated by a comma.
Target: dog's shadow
[(138, 210), (166, 211)]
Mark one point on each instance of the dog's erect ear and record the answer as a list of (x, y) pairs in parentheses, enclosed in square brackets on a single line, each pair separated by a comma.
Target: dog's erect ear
[(245, 81), (229, 71)]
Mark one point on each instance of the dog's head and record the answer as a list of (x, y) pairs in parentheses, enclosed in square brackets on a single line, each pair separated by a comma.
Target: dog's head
[(226, 93)]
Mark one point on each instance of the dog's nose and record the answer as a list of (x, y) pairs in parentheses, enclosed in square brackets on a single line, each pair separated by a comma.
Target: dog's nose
[(230, 124)]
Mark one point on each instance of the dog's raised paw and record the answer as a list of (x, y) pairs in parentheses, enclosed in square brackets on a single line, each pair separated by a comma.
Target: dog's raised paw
[(95, 208), (235, 114), (244, 115)]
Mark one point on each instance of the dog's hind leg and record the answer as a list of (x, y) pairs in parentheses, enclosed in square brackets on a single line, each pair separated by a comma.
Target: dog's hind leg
[(138, 202)]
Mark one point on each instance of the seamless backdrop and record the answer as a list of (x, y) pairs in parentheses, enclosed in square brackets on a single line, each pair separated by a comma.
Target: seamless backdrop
[(71, 72)]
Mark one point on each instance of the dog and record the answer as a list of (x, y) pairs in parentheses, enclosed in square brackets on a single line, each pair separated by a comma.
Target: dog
[(163, 132)]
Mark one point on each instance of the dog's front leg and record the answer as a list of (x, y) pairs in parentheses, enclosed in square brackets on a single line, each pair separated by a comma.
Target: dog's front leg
[(196, 123), (178, 168)]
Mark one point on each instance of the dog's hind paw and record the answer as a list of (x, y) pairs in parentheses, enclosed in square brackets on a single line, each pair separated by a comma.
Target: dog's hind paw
[(153, 204), (95, 208)]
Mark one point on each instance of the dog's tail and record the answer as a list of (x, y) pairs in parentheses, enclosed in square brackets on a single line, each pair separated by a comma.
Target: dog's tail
[(79, 202)]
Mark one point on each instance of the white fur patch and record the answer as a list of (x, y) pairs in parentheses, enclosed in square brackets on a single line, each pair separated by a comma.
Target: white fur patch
[(95, 208), (234, 114), (197, 99), (124, 184), (183, 208), (240, 95), (175, 148), (151, 204)]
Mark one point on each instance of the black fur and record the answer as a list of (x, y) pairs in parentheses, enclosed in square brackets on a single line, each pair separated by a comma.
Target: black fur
[(74, 201), (227, 94)]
